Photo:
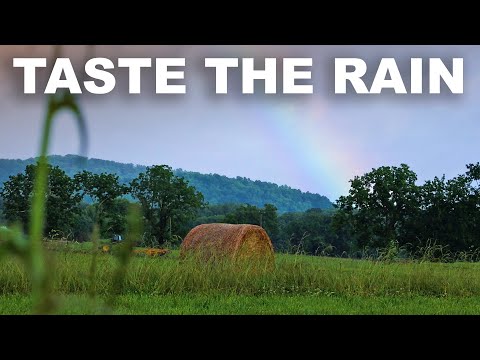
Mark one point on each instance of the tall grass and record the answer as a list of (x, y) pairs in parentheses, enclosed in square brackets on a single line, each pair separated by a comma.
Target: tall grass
[(292, 275), (123, 255)]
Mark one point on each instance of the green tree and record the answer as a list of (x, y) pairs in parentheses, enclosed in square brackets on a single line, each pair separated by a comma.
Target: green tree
[(270, 221), (250, 214), (84, 222), (2, 217), (104, 189), (450, 211), (62, 199), (16, 194), (312, 232), (117, 216), (167, 200), (380, 206), (245, 214)]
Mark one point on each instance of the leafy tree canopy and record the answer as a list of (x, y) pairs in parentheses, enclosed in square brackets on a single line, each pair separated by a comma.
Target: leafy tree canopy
[(166, 199), (105, 190), (62, 199)]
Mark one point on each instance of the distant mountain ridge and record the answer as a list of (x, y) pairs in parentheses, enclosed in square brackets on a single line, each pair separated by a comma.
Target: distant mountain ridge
[(217, 189)]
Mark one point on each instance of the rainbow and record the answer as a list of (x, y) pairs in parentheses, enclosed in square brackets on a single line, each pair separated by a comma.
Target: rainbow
[(310, 142), (307, 139)]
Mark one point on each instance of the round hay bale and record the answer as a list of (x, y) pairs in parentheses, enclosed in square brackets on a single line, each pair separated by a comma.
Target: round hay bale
[(213, 241)]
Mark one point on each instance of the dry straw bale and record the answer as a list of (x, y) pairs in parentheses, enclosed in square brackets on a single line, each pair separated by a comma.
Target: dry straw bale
[(150, 252), (229, 241)]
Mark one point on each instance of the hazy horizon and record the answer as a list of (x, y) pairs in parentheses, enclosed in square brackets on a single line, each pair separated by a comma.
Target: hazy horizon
[(314, 143)]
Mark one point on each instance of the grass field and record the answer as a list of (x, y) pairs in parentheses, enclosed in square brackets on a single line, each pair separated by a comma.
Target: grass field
[(298, 285)]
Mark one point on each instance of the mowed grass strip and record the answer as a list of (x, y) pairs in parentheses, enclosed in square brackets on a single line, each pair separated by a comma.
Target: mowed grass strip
[(225, 304)]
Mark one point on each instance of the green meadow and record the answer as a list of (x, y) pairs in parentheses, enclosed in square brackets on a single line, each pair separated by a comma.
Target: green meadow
[(298, 284)]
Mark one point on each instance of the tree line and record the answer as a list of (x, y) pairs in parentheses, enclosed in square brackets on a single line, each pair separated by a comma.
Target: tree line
[(384, 208)]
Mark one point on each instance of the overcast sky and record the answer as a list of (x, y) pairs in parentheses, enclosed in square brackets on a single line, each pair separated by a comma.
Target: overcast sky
[(312, 142)]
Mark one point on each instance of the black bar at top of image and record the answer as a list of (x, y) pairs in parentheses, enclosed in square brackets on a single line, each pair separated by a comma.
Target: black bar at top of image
[(240, 23)]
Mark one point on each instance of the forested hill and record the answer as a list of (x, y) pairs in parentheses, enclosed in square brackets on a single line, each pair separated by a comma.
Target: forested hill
[(217, 189)]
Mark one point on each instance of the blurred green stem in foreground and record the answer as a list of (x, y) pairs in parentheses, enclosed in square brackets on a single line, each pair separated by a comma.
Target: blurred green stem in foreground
[(35, 257)]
